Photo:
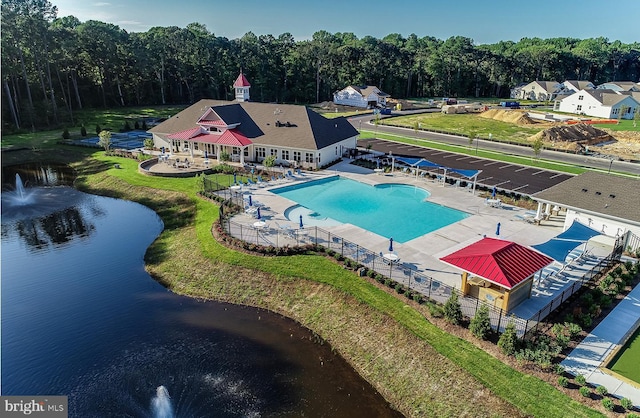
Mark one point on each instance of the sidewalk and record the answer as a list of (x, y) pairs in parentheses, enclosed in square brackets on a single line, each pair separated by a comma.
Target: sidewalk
[(589, 356)]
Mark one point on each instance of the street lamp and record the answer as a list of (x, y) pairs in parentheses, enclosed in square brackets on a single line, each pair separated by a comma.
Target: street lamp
[(610, 164), (477, 139)]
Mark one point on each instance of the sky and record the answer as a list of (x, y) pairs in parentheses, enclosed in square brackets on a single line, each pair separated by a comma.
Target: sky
[(484, 21)]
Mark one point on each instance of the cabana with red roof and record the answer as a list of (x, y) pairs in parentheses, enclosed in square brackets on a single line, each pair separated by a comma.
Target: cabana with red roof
[(501, 271)]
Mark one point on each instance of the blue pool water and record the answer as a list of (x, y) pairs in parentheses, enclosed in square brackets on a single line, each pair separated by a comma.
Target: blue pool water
[(391, 210)]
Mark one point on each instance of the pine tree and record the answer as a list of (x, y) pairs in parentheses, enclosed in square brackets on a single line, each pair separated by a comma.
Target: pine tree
[(452, 309), (480, 325), (508, 341)]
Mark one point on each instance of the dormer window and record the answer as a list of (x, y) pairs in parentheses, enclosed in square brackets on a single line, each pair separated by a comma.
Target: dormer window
[(580, 97)]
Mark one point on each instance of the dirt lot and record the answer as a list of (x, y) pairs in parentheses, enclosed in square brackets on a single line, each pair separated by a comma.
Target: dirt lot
[(622, 144)]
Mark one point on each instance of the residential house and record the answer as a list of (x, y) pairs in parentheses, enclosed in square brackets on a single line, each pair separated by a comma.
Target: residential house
[(601, 103), (537, 90), (568, 87), (620, 86), (249, 132), (361, 96)]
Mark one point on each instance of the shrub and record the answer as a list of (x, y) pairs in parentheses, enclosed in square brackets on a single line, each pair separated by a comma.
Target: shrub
[(452, 309), (585, 391), (601, 390), (557, 329), (608, 404), (98, 129), (126, 127), (508, 341), (580, 379), (417, 297), (435, 310), (65, 134), (83, 131), (574, 330), (563, 381), (480, 325), (586, 320), (562, 341), (626, 403), (558, 369)]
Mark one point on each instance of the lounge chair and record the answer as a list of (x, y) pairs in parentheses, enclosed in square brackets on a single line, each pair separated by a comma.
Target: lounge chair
[(300, 173), (252, 185)]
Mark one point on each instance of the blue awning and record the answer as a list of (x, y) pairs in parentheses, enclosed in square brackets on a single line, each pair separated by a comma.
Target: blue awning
[(467, 173), (408, 161), (561, 245)]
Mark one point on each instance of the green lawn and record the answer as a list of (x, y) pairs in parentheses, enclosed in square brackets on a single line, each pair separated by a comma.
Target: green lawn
[(529, 394), (626, 362), (466, 124)]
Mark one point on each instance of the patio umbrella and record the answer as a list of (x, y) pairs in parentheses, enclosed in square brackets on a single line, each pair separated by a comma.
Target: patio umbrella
[(162, 149), (250, 201), (206, 155), (390, 245), (259, 217), (498, 229), (301, 225), (234, 178), (493, 192)]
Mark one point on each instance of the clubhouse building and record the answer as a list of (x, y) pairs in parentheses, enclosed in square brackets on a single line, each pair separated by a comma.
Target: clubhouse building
[(249, 132)]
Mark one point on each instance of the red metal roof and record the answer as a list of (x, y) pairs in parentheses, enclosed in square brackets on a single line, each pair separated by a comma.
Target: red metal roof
[(236, 139), (241, 81), (212, 122), (504, 263), (189, 133), (228, 137)]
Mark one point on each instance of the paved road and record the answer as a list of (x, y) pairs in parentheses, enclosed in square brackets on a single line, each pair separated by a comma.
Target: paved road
[(573, 159)]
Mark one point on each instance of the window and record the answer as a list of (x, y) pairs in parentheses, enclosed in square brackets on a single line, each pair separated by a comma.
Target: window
[(274, 152), (297, 156), (308, 157), (285, 154), (260, 152), (580, 97), (579, 108), (336, 150)]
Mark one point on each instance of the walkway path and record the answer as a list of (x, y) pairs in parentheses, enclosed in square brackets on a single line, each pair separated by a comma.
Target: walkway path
[(589, 356)]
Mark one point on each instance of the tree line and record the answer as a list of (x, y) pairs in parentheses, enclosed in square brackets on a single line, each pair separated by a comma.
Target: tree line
[(53, 67)]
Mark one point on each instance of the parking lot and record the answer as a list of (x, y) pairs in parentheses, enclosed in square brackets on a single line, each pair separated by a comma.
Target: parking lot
[(502, 175)]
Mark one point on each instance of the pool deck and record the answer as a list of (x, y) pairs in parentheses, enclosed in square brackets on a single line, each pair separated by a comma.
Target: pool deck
[(424, 252)]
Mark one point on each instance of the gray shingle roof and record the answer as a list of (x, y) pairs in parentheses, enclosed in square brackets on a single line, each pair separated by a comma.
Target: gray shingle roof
[(606, 195), (266, 123)]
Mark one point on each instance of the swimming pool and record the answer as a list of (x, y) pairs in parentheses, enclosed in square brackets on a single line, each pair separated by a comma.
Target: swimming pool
[(395, 211)]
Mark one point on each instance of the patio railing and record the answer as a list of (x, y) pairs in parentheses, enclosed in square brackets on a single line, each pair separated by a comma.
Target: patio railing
[(404, 273)]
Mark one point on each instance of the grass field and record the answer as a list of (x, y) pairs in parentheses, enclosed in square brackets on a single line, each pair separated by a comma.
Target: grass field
[(290, 285), (626, 362), (467, 124), (423, 369)]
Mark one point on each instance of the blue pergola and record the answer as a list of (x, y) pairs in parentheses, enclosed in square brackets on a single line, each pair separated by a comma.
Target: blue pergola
[(423, 163)]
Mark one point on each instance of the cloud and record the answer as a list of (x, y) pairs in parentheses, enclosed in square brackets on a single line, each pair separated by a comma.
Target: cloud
[(102, 4)]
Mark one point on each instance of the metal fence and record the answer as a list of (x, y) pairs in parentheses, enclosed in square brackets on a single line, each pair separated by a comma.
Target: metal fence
[(402, 273)]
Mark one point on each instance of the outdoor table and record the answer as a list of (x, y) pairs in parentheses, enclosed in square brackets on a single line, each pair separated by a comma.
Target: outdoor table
[(390, 257), (235, 188), (378, 170), (259, 224)]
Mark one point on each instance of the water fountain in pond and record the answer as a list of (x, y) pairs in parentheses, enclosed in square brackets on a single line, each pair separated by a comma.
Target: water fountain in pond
[(161, 406), (20, 196)]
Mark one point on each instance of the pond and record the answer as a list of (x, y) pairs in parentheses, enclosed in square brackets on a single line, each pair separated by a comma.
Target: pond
[(81, 317)]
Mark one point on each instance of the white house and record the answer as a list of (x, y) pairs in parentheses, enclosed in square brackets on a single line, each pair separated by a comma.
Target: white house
[(537, 90), (601, 103), (568, 87), (361, 96), (249, 132)]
